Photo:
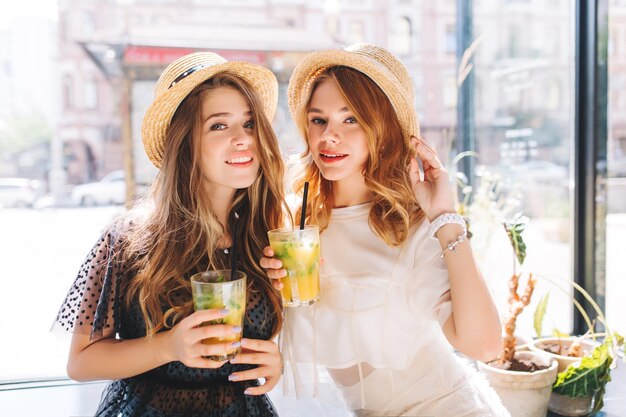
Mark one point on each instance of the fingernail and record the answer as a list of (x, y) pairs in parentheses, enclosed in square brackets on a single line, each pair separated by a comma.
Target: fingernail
[(224, 311), (236, 329), (247, 391), (233, 377), (235, 344), (244, 342)]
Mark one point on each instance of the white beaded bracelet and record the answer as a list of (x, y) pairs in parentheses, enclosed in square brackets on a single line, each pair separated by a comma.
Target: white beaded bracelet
[(452, 245), (446, 218)]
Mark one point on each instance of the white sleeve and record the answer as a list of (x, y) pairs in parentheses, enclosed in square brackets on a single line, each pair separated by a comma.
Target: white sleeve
[(429, 286)]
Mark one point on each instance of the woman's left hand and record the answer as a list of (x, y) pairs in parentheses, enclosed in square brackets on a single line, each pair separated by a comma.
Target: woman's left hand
[(265, 354), (433, 193)]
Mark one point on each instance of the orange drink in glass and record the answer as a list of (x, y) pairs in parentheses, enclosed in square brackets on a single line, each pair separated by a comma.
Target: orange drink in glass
[(299, 251), (218, 290)]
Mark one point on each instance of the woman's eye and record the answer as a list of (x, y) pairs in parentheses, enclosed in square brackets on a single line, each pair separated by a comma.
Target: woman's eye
[(350, 120), (218, 126), (249, 124), (318, 121)]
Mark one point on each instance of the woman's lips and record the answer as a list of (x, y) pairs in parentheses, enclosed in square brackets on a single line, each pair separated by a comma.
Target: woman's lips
[(331, 157), (240, 161)]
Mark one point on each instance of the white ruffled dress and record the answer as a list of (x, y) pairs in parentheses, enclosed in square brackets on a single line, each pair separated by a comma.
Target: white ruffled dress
[(377, 328)]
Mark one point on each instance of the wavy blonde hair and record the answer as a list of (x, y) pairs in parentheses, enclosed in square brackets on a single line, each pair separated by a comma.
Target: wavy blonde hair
[(394, 209), (178, 229)]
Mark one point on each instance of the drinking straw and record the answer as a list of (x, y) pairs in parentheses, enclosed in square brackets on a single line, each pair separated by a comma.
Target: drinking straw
[(233, 252), (304, 196)]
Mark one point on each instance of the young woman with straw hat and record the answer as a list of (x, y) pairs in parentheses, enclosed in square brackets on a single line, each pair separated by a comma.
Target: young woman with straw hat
[(130, 309), (399, 284)]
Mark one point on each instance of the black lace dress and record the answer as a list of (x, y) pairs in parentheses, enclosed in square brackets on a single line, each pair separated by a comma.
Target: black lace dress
[(93, 306)]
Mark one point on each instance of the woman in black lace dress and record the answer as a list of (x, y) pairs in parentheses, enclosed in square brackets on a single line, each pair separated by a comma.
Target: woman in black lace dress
[(130, 309)]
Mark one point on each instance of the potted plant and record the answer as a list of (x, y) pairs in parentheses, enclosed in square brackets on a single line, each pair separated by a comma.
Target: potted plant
[(522, 379), (565, 349), (584, 362), (482, 207)]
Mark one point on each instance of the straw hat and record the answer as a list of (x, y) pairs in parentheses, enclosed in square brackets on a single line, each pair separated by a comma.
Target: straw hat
[(375, 62), (181, 77)]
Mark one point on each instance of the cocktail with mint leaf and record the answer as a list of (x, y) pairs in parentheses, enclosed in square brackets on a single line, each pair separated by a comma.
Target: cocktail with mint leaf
[(299, 251), (219, 290)]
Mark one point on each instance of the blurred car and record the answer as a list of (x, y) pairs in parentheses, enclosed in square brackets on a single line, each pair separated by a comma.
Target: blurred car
[(111, 189), (18, 192)]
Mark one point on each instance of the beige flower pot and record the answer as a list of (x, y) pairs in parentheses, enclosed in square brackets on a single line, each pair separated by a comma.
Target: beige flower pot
[(563, 404), (566, 406), (564, 361), (524, 394)]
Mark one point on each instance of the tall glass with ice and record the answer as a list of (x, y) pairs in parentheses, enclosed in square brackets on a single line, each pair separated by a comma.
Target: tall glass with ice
[(219, 290), (299, 251)]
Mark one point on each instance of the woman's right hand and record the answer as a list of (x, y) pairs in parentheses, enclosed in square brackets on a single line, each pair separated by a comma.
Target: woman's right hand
[(273, 267), (184, 340)]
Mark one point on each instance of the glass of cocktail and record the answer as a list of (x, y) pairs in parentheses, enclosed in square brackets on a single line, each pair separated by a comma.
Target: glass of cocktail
[(299, 251), (219, 290)]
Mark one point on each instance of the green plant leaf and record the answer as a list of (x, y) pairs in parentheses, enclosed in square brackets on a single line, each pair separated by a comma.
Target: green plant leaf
[(514, 228), (588, 377), (540, 313), (618, 344)]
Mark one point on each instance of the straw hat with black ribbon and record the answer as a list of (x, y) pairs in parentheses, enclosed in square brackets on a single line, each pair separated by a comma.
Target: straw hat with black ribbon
[(377, 63), (185, 74)]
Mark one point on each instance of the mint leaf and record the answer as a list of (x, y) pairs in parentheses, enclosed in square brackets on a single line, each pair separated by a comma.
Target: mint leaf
[(233, 305)]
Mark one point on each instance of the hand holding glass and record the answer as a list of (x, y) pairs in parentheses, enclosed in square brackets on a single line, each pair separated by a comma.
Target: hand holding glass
[(299, 251), (218, 290)]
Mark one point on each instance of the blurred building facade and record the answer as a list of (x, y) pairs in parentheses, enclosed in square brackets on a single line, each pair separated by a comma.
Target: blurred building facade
[(523, 66), (105, 44), (122, 47)]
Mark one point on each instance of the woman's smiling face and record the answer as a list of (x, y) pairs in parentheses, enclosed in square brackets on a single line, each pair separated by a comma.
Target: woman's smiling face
[(228, 146), (336, 140)]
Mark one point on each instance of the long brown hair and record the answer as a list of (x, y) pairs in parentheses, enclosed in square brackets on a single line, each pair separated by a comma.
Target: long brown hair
[(394, 208), (178, 230)]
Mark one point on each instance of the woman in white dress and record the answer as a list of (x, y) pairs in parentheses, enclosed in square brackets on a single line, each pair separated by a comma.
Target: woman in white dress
[(399, 285)]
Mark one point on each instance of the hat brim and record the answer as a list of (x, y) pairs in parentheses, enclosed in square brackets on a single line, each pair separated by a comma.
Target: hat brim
[(157, 118), (302, 81)]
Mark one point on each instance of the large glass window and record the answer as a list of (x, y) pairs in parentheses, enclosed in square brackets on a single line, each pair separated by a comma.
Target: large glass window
[(60, 194), (401, 39), (616, 167), (450, 39), (356, 31), (90, 96), (524, 143), (68, 92)]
